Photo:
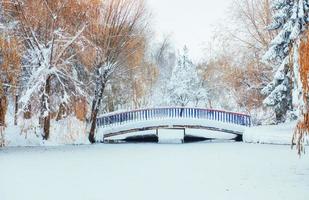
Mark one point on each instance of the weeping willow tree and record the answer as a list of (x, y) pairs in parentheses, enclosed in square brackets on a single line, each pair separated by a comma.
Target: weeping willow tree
[(112, 34), (302, 128)]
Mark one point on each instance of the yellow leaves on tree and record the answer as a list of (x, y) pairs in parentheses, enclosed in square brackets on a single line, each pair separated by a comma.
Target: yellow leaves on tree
[(142, 74), (304, 69), (302, 128), (10, 65), (9, 71)]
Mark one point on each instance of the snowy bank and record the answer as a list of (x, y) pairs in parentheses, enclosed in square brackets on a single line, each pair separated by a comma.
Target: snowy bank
[(29, 133), (271, 134)]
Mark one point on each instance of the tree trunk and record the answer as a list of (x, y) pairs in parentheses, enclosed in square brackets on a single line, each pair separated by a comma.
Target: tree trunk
[(16, 110), (3, 109), (45, 110), (62, 112), (94, 113)]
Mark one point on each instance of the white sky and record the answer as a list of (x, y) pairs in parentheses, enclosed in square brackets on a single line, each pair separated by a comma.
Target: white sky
[(190, 22)]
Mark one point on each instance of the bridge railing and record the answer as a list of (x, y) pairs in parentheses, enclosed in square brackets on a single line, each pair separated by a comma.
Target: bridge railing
[(173, 113)]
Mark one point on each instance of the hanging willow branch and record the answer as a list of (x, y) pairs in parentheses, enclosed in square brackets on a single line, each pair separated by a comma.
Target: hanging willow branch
[(302, 128)]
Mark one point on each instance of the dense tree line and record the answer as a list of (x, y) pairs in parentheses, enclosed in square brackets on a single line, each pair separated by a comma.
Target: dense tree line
[(82, 58), (58, 57), (260, 62)]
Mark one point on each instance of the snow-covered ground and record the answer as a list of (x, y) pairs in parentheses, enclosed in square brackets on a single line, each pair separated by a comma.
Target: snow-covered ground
[(154, 171), (272, 134)]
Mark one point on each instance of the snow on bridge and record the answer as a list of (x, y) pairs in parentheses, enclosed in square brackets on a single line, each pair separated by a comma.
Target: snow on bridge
[(121, 123)]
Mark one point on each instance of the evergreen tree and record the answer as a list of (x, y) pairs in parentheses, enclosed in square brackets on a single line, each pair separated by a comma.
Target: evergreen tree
[(185, 87), (289, 19)]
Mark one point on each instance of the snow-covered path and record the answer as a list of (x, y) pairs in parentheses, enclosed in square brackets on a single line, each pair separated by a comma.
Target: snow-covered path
[(152, 171)]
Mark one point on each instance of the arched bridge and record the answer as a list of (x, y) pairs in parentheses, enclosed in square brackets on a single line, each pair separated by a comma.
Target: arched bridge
[(121, 123)]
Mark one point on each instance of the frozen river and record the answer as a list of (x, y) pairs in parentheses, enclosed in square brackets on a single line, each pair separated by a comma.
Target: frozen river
[(211, 171)]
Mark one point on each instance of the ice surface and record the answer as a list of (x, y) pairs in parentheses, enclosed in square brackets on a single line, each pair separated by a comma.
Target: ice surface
[(216, 171)]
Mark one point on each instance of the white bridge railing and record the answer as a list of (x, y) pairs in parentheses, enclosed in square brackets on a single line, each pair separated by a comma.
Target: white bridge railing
[(179, 112)]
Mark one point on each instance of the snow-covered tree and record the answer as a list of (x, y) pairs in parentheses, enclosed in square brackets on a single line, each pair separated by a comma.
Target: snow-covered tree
[(289, 52), (278, 92), (112, 35), (48, 36), (185, 86), (290, 18)]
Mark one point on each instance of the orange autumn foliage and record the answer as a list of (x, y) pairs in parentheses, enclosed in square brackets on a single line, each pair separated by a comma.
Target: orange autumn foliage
[(10, 66), (9, 71), (302, 127), (304, 69)]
